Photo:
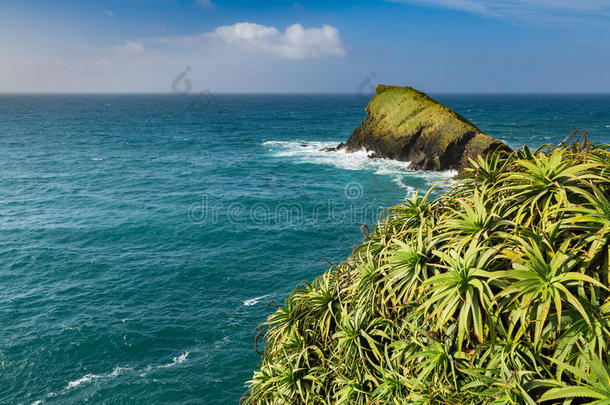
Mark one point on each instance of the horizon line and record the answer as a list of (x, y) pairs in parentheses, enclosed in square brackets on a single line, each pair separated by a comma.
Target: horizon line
[(301, 93)]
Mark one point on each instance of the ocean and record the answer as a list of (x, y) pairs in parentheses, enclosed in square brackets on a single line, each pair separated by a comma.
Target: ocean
[(143, 237)]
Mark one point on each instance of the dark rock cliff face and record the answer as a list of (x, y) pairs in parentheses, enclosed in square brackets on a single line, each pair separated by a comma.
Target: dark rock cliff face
[(405, 124)]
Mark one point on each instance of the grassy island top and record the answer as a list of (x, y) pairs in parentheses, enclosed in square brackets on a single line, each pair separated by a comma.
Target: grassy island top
[(405, 124), (494, 292), (404, 110)]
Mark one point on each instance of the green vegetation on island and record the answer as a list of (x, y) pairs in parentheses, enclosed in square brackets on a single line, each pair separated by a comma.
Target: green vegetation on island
[(494, 292), (405, 124)]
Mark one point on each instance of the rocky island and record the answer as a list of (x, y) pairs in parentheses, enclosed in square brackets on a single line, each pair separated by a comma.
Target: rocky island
[(405, 124)]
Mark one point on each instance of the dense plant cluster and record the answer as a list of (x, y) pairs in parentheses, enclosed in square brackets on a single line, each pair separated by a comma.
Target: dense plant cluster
[(494, 292)]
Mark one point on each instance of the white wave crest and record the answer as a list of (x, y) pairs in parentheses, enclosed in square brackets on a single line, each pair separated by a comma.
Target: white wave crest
[(309, 152), (254, 301), (117, 371), (90, 377), (410, 190), (176, 360)]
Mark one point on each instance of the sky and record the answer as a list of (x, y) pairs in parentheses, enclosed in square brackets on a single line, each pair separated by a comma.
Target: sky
[(309, 46)]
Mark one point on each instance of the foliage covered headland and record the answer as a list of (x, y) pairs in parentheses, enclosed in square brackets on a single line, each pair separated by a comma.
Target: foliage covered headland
[(494, 292)]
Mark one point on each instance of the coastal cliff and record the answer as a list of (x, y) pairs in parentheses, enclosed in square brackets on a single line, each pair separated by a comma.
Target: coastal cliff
[(405, 124)]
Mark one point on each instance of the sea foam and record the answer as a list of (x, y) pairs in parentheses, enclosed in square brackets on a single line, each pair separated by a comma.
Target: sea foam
[(176, 360), (254, 301), (309, 152), (90, 377), (117, 371)]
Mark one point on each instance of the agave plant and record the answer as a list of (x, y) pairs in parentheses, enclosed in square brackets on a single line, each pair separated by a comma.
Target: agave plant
[(594, 383), (461, 291), (409, 269), (495, 291), (543, 181), (542, 278)]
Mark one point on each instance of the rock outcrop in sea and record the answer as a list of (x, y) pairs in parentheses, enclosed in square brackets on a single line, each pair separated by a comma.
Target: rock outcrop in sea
[(405, 124)]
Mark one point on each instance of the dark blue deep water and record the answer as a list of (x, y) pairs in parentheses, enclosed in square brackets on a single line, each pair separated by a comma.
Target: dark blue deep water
[(141, 236)]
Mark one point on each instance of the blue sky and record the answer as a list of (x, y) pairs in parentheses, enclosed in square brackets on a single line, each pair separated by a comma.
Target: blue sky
[(305, 46)]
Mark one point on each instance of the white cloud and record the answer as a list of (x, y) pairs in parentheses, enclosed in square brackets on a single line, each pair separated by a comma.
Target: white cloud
[(237, 58), (206, 3), (129, 48), (472, 6), (295, 43), (109, 13), (534, 10)]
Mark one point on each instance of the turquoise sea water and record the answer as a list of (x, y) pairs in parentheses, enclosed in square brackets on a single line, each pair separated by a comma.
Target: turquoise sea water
[(142, 236)]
